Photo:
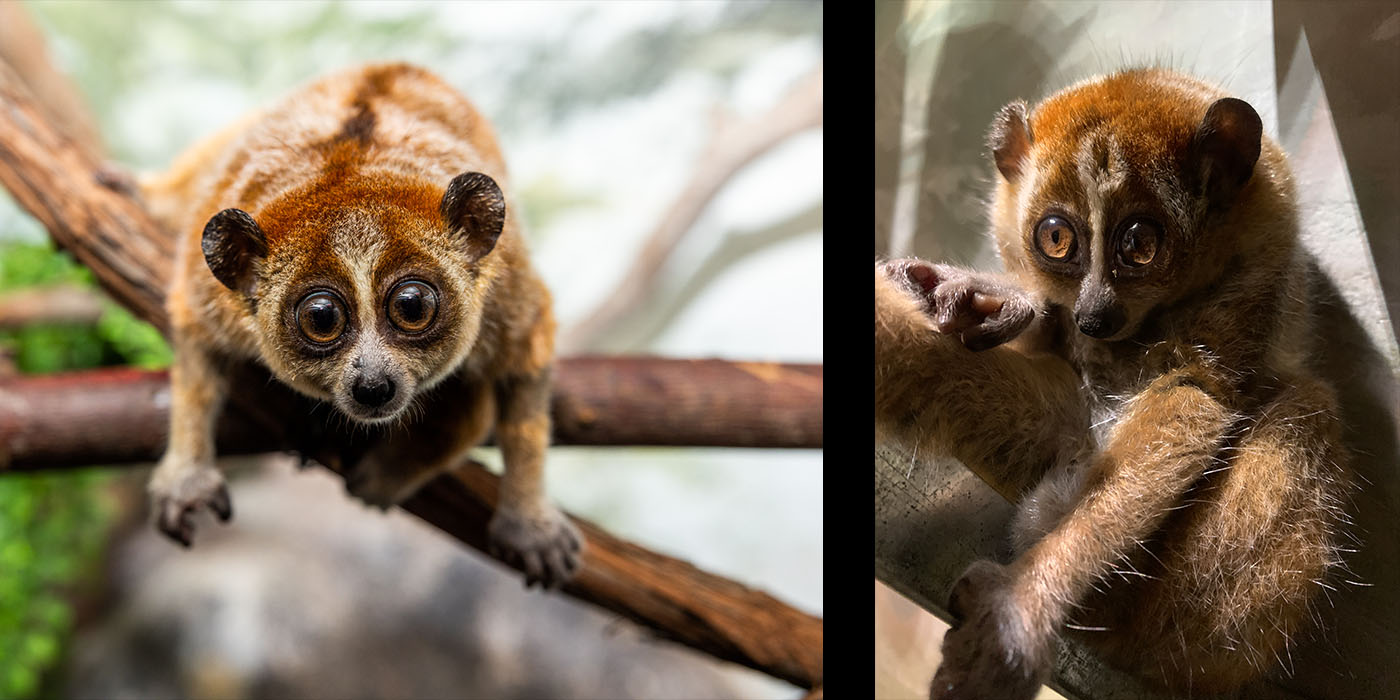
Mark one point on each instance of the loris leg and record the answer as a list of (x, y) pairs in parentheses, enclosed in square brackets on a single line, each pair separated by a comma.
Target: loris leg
[(527, 530), (1169, 436), (186, 479), (1006, 413), (1256, 547)]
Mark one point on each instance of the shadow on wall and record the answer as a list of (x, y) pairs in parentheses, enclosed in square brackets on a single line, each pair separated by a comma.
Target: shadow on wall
[(956, 179)]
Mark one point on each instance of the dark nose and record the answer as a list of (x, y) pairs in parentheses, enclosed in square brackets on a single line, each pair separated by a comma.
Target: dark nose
[(373, 392), (1101, 323)]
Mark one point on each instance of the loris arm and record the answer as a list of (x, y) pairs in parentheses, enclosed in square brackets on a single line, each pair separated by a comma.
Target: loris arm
[(527, 530), (1170, 435), (1007, 414), (186, 478)]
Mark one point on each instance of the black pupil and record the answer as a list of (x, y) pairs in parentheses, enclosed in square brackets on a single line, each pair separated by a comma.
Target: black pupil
[(409, 303), (322, 313), (1055, 235)]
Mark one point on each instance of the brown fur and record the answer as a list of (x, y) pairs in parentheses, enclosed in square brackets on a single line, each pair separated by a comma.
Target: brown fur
[(345, 181), (1195, 525)]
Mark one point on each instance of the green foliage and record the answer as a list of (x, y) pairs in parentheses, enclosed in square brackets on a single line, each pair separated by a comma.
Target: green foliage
[(51, 530), (52, 525), (118, 337)]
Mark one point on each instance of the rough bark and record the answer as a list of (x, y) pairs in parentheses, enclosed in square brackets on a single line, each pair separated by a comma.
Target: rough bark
[(112, 416), (53, 177)]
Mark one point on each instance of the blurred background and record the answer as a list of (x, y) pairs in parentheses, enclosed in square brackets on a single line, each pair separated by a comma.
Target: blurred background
[(611, 116), (943, 68)]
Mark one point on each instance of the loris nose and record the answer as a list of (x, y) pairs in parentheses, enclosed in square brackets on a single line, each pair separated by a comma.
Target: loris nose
[(1100, 323), (373, 392)]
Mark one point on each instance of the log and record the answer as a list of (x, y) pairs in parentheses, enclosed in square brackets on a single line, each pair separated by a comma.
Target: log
[(52, 177), (112, 416), (673, 598), (57, 304)]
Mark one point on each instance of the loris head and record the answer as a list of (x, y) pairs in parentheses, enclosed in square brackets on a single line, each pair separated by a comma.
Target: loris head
[(366, 290), (1123, 194)]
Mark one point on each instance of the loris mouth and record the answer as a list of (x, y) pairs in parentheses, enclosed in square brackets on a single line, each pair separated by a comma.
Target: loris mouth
[(370, 415)]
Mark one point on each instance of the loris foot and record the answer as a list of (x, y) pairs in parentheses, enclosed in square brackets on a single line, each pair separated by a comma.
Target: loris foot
[(178, 490), (992, 652), (980, 309), (545, 544)]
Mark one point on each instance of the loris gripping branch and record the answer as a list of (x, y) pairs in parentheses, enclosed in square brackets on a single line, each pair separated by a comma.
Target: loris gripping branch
[(355, 239)]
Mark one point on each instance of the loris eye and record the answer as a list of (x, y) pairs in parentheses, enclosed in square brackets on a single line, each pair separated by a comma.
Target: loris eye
[(1055, 238), (321, 317), (412, 306), (1137, 244)]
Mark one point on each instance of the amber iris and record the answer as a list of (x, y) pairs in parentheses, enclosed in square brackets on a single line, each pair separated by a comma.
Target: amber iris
[(1055, 238), (1137, 244), (412, 306), (321, 317)]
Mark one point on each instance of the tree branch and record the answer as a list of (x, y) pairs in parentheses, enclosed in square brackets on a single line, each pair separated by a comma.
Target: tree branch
[(63, 303), (119, 415), (53, 178)]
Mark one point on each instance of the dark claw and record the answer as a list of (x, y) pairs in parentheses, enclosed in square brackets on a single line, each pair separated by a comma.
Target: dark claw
[(534, 568), (559, 567), (221, 504)]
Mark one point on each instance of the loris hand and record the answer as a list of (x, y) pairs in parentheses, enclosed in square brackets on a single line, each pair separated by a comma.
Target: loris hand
[(980, 309)]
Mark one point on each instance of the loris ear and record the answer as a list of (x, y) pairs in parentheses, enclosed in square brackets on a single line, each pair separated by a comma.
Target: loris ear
[(232, 242), (475, 209), (1010, 140), (1226, 148)]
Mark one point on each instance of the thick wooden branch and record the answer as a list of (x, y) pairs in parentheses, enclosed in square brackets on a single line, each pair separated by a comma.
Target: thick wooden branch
[(119, 415), (53, 178), (65, 304), (672, 597)]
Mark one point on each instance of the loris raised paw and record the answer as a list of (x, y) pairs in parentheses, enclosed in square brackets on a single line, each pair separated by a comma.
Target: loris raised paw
[(980, 309)]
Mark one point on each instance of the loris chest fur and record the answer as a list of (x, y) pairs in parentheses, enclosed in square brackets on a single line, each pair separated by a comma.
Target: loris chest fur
[(355, 240)]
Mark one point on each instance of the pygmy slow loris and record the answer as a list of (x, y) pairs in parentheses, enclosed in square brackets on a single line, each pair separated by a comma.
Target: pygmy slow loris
[(355, 240)]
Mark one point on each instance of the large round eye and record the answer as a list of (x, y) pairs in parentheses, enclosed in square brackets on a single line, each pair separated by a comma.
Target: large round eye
[(412, 306), (321, 317), (1137, 244), (1055, 238)]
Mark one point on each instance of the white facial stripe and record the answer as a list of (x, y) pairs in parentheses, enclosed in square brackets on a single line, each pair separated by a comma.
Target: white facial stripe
[(1101, 174), (359, 246)]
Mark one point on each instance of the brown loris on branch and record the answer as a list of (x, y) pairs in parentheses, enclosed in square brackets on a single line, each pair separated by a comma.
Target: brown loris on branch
[(1139, 382), (356, 241)]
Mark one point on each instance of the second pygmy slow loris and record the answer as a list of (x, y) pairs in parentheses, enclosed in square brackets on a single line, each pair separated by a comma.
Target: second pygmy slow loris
[(1139, 381)]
